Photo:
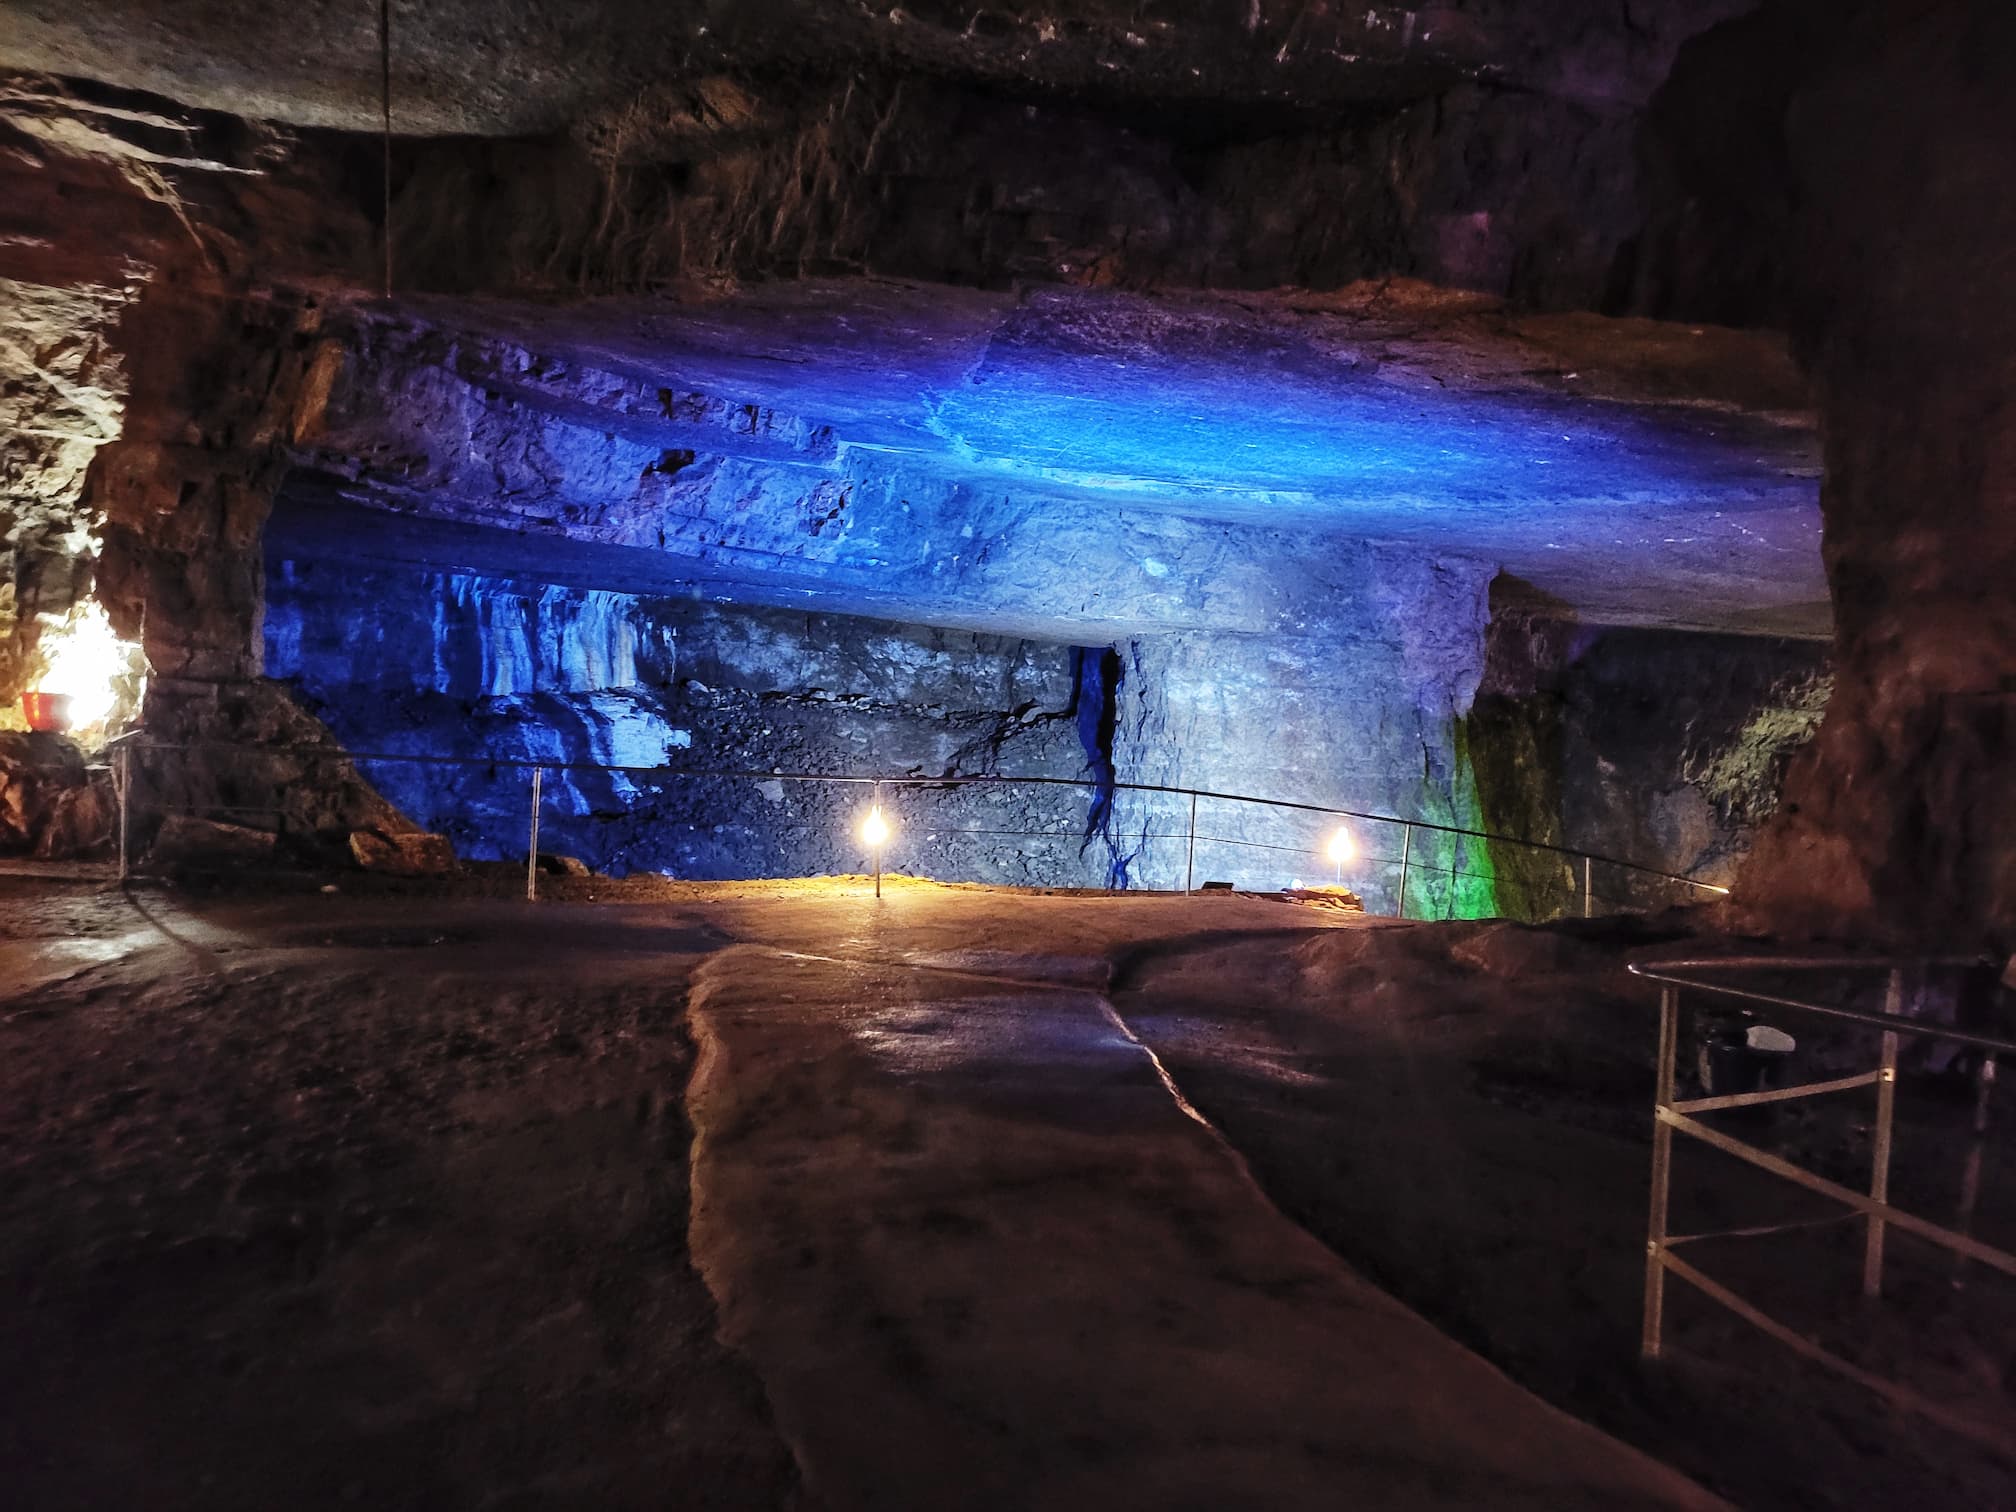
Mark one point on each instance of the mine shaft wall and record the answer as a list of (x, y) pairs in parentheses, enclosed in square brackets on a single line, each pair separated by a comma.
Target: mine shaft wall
[(1667, 749), (1360, 709), (491, 674)]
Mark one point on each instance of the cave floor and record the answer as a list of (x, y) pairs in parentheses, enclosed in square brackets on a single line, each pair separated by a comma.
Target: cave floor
[(774, 1195)]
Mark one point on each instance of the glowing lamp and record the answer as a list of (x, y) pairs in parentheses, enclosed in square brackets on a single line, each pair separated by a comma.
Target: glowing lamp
[(875, 835), (83, 659), (48, 713), (875, 829), (1341, 849)]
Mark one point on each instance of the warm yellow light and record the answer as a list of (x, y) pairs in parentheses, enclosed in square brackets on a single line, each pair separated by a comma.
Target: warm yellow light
[(1342, 847), (875, 829), (82, 659)]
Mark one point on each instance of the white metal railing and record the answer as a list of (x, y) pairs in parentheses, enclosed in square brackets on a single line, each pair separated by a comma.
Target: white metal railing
[(1673, 1115), (1410, 876)]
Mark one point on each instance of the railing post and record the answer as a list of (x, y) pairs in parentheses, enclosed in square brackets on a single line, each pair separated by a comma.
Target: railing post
[(1970, 1176), (1406, 851), (1190, 865), (532, 845), (125, 783), (1879, 1163), (1588, 890), (1652, 1338)]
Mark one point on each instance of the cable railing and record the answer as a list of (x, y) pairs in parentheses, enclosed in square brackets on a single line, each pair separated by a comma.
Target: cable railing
[(727, 823), (1872, 1207)]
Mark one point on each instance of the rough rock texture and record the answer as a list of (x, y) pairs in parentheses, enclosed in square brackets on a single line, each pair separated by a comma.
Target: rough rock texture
[(1887, 152), (1359, 708), (50, 805), (135, 354), (189, 841), (62, 389), (531, 66), (246, 753), (1481, 144), (931, 451), (1642, 746), (908, 179), (403, 855), (498, 676)]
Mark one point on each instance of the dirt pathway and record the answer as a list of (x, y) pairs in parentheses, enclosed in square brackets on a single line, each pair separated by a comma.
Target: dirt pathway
[(320, 1201), (981, 1257)]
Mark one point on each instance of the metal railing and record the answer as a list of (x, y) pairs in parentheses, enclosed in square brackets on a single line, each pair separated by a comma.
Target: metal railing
[(1673, 1115), (1407, 867)]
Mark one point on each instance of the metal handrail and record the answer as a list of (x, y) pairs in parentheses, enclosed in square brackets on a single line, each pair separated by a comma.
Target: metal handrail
[(131, 742), (1666, 973), (1671, 1116)]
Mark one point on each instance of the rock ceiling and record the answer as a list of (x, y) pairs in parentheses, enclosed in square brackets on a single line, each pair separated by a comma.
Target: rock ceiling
[(1639, 472), (529, 66), (923, 313)]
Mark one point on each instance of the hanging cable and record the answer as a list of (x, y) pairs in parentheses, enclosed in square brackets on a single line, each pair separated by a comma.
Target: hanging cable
[(385, 113)]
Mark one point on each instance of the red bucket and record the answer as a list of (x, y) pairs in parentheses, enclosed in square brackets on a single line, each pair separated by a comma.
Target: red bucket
[(47, 712)]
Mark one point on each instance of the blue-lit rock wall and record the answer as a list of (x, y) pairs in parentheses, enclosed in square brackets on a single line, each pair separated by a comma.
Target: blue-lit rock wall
[(636, 706), (1357, 706)]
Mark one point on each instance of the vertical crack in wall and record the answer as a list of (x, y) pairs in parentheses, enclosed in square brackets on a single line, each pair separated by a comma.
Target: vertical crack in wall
[(1095, 705)]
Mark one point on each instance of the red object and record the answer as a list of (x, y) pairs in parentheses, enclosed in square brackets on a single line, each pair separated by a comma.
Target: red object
[(47, 712)]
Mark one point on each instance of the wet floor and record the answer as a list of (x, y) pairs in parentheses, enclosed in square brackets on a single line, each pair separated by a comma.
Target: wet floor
[(777, 1196)]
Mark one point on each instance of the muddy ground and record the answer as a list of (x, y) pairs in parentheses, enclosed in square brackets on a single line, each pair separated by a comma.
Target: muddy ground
[(383, 1198), (1461, 1114)]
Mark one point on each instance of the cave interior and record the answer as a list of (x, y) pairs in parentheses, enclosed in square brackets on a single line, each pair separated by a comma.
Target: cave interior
[(1498, 422), (1224, 477)]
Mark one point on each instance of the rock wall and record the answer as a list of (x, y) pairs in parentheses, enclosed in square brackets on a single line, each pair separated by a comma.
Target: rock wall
[(504, 675), (1526, 195), (1362, 708), (1873, 175), (1358, 705), (143, 353), (1659, 748), (63, 397)]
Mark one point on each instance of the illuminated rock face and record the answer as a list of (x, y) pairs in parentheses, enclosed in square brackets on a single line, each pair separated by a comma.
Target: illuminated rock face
[(1648, 746), (1360, 710), (955, 455), (1136, 463), (61, 399), (459, 666)]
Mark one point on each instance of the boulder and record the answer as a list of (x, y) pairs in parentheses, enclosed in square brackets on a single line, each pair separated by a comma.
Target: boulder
[(82, 821), (409, 854), (185, 840), (37, 773), (1337, 899)]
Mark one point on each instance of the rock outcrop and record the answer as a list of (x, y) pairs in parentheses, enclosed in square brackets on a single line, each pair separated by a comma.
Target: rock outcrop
[(1643, 746), (1893, 139), (51, 806)]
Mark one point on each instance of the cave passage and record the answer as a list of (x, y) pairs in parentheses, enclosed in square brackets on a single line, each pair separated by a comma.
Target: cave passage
[(1319, 535), (898, 533)]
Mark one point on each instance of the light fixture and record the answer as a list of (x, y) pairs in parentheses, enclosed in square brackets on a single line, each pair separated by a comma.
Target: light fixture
[(1341, 849), (875, 835), (82, 660)]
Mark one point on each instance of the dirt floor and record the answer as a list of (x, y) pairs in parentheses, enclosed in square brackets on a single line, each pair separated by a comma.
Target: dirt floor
[(393, 1197), (1461, 1113)]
